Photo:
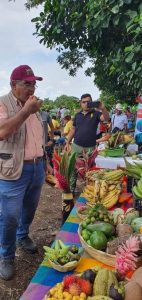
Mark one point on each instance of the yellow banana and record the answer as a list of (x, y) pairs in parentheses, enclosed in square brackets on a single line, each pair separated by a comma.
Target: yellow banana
[(112, 187), (103, 189), (112, 202), (89, 188), (113, 175), (111, 199), (97, 188)]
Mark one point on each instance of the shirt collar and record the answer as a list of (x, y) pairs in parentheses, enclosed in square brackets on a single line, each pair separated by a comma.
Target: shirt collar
[(16, 100), (88, 112)]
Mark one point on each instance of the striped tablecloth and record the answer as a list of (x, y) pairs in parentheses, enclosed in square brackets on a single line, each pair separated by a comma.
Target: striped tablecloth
[(46, 276)]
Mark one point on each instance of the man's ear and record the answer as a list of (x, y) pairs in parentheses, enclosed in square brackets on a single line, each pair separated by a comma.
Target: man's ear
[(13, 83)]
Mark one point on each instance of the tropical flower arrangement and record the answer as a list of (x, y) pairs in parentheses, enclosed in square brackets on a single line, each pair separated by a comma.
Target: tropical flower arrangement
[(85, 162), (63, 167)]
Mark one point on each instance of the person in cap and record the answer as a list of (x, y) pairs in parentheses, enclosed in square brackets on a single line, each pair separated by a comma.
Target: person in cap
[(119, 120), (22, 165)]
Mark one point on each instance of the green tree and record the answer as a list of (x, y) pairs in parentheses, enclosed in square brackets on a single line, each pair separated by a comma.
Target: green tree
[(108, 32), (48, 104), (69, 102)]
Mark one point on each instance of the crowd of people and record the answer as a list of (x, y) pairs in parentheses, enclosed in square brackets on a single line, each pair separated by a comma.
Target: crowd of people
[(28, 136)]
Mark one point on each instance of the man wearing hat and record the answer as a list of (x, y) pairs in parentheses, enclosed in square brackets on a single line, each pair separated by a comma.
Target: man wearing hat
[(21, 165), (119, 120)]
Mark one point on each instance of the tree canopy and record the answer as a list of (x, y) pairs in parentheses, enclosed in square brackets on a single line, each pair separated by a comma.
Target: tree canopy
[(107, 32), (70, 102)]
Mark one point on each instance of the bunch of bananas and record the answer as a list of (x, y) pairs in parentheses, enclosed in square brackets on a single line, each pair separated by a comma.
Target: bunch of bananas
[(137, 189), (106, 190), (114, 175)]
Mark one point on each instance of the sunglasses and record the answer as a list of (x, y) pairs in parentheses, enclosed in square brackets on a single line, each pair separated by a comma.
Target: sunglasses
[(86, 102), (27, 84)]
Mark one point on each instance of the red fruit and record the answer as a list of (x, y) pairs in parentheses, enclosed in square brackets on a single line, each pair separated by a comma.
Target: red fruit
[(86, 287), (68, 280), (74, 289)]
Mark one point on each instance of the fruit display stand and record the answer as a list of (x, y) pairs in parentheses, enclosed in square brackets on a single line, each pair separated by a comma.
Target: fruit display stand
[(46, 277), (113, 162)]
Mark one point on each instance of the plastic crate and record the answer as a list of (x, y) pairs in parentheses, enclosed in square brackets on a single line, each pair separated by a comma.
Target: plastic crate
[(130, 183), (137, 204)]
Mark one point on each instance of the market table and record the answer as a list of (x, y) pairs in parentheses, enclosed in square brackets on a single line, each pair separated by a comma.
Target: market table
[(46, 276), (113, 162)]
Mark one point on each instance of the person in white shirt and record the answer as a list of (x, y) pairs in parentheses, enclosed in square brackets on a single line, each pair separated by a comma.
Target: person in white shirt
[(119, 120)]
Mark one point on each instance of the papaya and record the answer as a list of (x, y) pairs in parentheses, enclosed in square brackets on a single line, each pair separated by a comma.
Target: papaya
[(98, 240), (106, 228)]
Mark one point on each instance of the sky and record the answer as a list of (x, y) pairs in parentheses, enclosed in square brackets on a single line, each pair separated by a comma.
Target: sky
[(18, 46)]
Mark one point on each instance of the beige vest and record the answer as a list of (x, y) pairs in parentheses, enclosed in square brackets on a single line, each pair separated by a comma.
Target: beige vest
[(12, 148)]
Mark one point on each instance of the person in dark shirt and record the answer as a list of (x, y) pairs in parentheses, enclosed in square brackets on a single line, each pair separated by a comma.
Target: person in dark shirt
[(85, 125), (85, 128)]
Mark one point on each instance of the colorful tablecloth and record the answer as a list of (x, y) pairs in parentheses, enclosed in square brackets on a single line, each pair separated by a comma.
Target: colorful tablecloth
[(46, 276)]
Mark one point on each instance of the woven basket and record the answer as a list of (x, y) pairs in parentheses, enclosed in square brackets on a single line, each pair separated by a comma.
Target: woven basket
[(101, 256), (65, 268), (81, 216)]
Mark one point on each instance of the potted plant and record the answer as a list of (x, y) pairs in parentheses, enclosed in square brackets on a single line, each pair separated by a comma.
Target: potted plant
[(85, 162)]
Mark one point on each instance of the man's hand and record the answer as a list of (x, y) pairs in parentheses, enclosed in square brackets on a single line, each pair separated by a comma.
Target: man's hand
[(32, 105), (50, 143), (49, 169), (67, 147), (102, 106)]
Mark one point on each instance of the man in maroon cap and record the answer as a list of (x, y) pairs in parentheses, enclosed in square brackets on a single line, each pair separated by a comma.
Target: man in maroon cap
[(22, 164)]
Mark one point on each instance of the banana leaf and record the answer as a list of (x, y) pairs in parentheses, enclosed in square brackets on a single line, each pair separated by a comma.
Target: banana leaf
[(64, 165), (71, 165)]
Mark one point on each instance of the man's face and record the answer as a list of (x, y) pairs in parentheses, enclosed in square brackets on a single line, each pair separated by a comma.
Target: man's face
[(22, 90), (118, 112), (84, 102)]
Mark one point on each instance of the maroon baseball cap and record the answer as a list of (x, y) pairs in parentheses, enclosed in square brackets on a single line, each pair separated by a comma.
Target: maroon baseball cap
[(24, 72)]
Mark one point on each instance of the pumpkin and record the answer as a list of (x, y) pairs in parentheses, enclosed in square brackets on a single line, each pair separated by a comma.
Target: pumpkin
[(137, 277), (133, 291)]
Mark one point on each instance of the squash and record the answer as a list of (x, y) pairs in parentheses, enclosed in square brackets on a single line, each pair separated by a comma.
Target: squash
[(136, 224), (133, 291)]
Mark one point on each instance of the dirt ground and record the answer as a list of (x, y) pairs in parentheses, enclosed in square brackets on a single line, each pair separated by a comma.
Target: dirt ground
[(44, 228)]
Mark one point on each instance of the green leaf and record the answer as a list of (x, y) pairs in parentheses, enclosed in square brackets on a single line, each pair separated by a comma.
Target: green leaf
[(71, 165), (128, 1), (64, 165), (129, 57), (129, 48), (131, 13), (115, 9), (134, 66), (116, 20), (140, 7)]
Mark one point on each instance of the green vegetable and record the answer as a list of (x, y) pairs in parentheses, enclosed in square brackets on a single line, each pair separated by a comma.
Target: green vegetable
[(136, 224), (106, 228), (98, 240)]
